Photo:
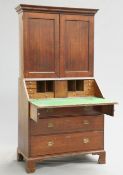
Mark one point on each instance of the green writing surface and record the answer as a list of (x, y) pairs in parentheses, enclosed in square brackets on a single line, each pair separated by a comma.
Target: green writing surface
[(71, 101)]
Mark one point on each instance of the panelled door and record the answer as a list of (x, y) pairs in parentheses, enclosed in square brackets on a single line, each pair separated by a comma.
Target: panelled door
[(41, 49), (76, 45)]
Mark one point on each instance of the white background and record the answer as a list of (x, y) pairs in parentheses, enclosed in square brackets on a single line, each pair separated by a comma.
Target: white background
[(108, 73)]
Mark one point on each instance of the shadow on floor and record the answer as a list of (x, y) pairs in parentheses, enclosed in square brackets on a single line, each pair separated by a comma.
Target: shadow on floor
[(10, 167), (67, 160)]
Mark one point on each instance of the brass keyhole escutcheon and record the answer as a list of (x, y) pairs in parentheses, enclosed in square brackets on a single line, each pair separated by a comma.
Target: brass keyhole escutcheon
[(86, 122), (50, 143), (50, 125), (86, 140)]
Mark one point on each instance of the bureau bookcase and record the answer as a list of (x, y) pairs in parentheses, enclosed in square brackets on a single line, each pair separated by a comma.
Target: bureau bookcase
[(61, 108)]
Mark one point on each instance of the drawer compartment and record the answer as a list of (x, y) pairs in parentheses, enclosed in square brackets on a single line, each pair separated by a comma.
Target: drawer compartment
[(65, 111), (78, 106), (65, 143), (38, 113), (66, 124)]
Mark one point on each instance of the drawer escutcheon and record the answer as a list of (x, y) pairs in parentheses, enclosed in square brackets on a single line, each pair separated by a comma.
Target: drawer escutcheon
[(50, 125), (86, 140), (86, 122), (50, 143)]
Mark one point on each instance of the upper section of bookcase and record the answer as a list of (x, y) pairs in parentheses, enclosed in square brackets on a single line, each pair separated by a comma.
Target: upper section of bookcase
[(56, 42)]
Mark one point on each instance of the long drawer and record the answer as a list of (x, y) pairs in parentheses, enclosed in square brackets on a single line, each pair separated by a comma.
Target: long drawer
[(66, 111), (66, 124), (38, 113), (66, 143)]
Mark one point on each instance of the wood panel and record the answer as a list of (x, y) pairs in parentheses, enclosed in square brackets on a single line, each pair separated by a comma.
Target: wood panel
[(76, 46), (38, 113), (23, 118), (41, 45), (66, 124), (46, 145), (67, 111), (42, 95), (61, 88), (21, 46), (97, 91), (106, 109)]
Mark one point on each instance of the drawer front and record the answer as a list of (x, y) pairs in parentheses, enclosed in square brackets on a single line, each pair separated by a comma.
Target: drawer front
[(66, 124), (65, 143), (66, 111)]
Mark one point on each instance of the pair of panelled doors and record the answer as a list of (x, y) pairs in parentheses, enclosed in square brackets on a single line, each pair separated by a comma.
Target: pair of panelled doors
[(57, 45)]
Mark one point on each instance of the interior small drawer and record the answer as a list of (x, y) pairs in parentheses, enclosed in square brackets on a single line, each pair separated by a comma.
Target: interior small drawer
[(65, 143), (66, 124)]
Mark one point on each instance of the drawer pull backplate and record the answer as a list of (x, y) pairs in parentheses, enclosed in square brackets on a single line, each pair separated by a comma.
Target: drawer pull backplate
[(86, 140), (50, 143), (50, 125), (86, 122)]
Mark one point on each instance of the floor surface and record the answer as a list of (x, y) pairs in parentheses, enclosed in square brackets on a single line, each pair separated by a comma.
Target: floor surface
[(75, 165)]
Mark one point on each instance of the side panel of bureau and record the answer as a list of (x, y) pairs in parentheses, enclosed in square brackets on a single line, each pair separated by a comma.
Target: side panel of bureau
[(66, 124), (64, 143), (23, 119)]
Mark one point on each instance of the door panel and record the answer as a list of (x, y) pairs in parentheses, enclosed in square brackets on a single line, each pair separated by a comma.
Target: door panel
[(42, 52), (76, 46)]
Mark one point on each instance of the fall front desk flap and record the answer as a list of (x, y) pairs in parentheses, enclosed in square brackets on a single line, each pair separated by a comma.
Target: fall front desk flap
[(71, 101)]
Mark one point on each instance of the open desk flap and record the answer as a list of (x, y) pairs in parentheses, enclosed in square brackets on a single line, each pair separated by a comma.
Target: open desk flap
[(105, 109), (70, 102), (101, 105)]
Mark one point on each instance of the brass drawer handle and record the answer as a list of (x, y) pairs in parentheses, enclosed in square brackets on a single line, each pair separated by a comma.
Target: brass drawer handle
[(86, 140), (50, 125), (86, 122), (50, 143)]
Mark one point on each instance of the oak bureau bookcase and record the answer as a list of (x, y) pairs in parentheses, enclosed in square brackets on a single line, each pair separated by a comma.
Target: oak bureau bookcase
[(61, 108)]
